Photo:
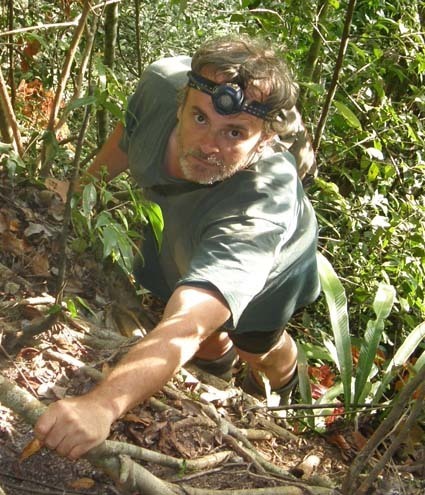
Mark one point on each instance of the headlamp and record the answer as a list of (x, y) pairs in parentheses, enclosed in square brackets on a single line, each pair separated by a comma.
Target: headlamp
[(228, 98)]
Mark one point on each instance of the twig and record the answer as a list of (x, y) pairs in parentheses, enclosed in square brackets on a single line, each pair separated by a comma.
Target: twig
[(11, 360), (9, 115), (381, 432), (66, 69), (244, 453), (417, 409), (338, 66), (42, 26), (35, 329)]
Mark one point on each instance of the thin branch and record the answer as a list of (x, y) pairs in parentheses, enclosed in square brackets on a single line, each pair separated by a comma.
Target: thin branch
[(41, 26), (45, 324), (338, 66), (66, 69), (81, 73), (382, 431), (9, 116), (416, 411)]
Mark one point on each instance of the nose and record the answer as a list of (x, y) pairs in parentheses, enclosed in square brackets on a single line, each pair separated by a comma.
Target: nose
[(209, 143)]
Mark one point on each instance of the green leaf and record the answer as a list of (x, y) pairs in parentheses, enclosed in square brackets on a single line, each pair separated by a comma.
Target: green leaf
[(337, 304), (348, 115), (403, 353), (109, 240), (80, 102), (72, 308), (316, 352), (89, 199), (382, 305), (154, 214), (384, 301)]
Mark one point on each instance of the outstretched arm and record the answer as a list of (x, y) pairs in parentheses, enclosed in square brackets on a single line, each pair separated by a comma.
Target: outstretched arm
[(74, 426)]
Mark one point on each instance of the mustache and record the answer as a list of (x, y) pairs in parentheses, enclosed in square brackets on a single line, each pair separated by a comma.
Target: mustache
[(210, 158)]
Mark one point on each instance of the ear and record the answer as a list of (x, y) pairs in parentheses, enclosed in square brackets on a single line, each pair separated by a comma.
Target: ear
[(264, 141)]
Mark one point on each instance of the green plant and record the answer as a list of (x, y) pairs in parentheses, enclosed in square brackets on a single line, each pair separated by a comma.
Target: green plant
[(362, 381), (102, 220)]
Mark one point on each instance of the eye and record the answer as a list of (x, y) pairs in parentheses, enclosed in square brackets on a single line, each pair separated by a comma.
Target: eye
[(199, 118), (235, 134)]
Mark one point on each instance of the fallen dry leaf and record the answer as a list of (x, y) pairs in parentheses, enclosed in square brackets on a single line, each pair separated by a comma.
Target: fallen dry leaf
[(60, 187), (82, 484), (31, 448), (40, 265)]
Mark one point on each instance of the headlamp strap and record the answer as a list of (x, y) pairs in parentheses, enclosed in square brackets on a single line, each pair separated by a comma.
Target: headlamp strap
[(228, 98)]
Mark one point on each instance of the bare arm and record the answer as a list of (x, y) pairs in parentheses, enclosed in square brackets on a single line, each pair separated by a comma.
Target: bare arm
[(75, 425)]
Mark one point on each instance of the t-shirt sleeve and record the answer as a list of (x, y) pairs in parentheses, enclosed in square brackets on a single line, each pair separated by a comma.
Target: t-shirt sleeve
[(158, 82)]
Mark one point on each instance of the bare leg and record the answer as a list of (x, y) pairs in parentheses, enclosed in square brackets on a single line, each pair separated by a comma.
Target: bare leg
[(278, 364), (215, 346)]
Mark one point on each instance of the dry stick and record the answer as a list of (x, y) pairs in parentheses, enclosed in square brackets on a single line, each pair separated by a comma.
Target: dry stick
[(382, 431), (114, 448), (40, 327), (404, 431), (228, 428), (81, 72), (337, 70), (30, 409), (45, 165), (274, 490), (123, 470), (9, 115)]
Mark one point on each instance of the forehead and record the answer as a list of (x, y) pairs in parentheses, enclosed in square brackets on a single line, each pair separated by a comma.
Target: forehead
[(199, 101)]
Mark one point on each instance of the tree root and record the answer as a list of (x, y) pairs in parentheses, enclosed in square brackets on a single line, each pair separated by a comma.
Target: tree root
[(114, 458)]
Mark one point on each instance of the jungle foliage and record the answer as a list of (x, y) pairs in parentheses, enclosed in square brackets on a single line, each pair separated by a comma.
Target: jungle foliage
[(369, 193)]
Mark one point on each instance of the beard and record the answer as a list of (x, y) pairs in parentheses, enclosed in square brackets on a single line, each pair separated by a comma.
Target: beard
[(202, 168)]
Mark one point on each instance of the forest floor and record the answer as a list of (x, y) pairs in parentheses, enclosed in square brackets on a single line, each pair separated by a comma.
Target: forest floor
[(68, 359)]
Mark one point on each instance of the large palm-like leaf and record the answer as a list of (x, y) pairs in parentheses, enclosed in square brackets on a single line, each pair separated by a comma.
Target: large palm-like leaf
[(382, 305), (337, 304)]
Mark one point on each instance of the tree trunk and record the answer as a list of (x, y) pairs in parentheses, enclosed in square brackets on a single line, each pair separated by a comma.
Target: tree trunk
[(111, 29)]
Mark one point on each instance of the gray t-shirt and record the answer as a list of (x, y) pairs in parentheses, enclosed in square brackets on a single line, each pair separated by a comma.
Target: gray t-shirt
[(252, 237)]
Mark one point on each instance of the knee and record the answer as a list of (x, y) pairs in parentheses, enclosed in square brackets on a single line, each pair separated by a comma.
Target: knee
[(283, 354)]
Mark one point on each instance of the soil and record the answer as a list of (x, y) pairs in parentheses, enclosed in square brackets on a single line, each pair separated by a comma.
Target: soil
[(103, 314)]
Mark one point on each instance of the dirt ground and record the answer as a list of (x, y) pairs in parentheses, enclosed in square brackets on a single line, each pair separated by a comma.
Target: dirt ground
[(68, 358)]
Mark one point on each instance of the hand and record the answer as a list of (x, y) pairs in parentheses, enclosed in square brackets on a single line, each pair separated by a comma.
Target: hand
[(75, 425)]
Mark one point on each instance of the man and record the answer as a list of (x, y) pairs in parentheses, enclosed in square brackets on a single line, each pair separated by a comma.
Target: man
[(238, 255)]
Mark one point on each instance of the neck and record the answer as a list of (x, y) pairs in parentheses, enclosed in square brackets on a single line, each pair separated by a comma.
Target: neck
[(171, 161)]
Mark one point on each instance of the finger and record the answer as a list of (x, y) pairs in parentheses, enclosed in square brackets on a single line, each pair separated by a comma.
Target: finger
[(54, 439), (44, 425)]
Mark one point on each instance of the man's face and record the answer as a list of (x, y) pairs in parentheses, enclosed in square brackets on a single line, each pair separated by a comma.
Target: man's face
[(212, 147)]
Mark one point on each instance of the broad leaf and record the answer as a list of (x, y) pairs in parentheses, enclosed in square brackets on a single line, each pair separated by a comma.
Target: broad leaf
[(337, 304)]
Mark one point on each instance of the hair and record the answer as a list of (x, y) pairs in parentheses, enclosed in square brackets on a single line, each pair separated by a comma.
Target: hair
[(253, 64)]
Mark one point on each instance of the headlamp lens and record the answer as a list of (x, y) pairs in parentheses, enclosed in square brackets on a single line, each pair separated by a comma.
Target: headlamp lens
[(227, 98)]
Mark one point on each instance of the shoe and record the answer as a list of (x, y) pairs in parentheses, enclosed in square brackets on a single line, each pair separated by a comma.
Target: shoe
[(221, 367), (252, 387)]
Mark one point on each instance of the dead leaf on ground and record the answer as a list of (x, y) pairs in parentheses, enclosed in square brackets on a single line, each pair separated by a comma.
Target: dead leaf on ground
[(39, 264), (82, 484), (30, 449), (60, 187)]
